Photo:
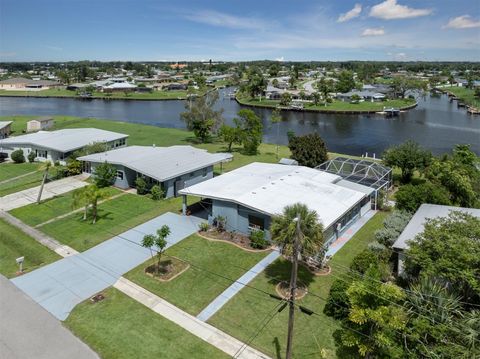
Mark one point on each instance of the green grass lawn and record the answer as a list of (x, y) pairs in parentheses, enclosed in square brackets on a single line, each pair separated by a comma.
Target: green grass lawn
[(244, 313), (467, 95), (14, 244), (29, 181), (114, 217), (34, 214), (12, 170), (121, 328), (194, 289)]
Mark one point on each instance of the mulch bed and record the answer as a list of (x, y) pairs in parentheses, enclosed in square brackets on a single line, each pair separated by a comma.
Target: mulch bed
[(237, 239), (283, 290), (169, 269), (97, 298)]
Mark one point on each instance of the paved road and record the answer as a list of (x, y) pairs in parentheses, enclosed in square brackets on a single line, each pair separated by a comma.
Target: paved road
[(59, 286), (28, 331), (51, 189)]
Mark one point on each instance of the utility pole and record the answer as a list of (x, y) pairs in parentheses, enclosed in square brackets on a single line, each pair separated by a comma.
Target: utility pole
[(293, 288)]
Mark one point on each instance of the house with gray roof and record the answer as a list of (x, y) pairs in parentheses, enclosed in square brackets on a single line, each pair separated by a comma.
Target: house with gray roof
[(59, 145), (5, 128), (417, 223), (173, 168)]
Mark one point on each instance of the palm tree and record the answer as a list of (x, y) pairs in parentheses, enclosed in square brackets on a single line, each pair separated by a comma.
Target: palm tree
[(80, 198), (89, 196), (283, 231), (45, 166)]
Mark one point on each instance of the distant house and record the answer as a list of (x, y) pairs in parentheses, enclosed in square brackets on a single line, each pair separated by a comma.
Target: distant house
[(175, 87), (248, 197), (5, 129), (119, 87), (21, 83), (39, 124), (77, 86), (416, 226), (365, 95), (173, 168), (59, 145)]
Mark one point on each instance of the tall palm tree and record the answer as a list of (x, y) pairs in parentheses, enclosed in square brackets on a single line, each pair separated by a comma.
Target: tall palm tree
[(80, 198), (45, 167), (283, 232)]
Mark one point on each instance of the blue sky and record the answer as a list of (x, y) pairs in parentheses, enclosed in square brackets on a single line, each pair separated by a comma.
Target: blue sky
[(140, 30)]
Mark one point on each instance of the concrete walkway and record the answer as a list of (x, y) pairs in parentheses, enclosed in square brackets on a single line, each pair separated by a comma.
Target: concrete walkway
[(346, 235), (236, 287), (60, 286), (59, 248), (204, 331), (51, 189), (29, 331)]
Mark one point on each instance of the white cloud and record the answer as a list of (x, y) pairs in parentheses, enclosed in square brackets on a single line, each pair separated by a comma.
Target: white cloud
[(463, 22), (389, 9), (216, 18), (355, 12), (280, 59), (399, 56), (375, 31)]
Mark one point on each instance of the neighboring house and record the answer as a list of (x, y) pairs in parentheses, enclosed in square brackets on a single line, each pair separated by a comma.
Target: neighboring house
[(77, 86), (5, 129), (21, 83), (416, 226), (248, 197), (175, 87), (172, 167), (59, 145), (119, 87), (40, 124), (365, 95)]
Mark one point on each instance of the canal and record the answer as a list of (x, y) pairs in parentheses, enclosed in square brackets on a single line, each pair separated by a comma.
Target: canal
[(436, 123)]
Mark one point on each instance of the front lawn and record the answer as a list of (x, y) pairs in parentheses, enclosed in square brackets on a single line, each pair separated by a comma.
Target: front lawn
[(14, 244), (114, 217), (34, 214), (12, 170), (118, 327), (245, 313), (28, 181), (194, 289)]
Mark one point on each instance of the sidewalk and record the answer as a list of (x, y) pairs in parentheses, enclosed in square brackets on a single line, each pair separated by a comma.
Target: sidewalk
[(236, 287), (51, 189), (204, 331)]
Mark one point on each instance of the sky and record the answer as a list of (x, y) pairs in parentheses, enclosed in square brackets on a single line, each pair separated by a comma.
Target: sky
[(239, 30)]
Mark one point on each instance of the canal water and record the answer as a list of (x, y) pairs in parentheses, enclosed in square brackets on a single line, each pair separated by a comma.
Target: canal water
[(436, 123)]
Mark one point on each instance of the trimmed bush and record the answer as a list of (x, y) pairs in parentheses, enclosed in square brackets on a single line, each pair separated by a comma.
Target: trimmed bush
[(141, 185), (17, 156), (31, 156), (156, 192), (257, 239)]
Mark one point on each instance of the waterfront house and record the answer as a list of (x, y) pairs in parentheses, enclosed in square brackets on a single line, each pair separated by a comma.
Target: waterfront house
[(417, 223), (365, 95), (24, 84), (175, 87), (5, 129), (248, 197), (173, 168), (59, 145), (40, 123)]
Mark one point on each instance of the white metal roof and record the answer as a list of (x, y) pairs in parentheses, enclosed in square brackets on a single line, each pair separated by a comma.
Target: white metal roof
[(268, 188), (4, 124), (63, 140), (160, 163), (427, 211)]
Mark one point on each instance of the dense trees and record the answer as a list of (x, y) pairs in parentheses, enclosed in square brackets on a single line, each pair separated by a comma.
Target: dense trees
[(345, 82), (201, 117), (403, 84), (308, 150), (409, 197)]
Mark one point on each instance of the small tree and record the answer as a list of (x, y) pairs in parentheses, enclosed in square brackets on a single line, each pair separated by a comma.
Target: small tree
[(74, 167), (409, 157), (148, 242), (230, 135), (355, 98), (159, 242), (250, 128), (17, 156), (308, 150), (285, 99), (104, 175), (276, 119), (141, 185), (31, 157), (156, 192)]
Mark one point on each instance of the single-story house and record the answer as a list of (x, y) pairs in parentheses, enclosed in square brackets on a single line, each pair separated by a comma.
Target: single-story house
[(416, 226), (5, 129), (59, 145), (77, 86), (248, 197), (119, 87), (21, 83), (172, 167), (363, 95), (40, 124), (175, 87)]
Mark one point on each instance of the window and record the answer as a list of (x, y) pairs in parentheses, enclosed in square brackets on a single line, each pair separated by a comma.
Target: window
[(120, 175), (41, 153), (255, 222), (205, 172)]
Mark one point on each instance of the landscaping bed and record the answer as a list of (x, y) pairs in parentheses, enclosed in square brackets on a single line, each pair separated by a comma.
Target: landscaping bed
[(236, 239), (168, 270)]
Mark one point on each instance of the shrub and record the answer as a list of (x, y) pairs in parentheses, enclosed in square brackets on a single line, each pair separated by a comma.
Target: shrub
[(141, 185), (393, 226), (104, 175), (220, 222), (308, 150), (257, 239), (17, 156), (74, 167), (156, 192), (204, 226), (59, 172), (31, 156), (337, 305), (410, 197)]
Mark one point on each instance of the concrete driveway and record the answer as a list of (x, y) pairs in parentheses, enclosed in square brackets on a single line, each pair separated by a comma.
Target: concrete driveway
[(29, 331), (59, 286), (51, 189)]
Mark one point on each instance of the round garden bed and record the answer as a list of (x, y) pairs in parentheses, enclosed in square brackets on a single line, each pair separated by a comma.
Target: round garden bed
[(168, 270), (283, 290)]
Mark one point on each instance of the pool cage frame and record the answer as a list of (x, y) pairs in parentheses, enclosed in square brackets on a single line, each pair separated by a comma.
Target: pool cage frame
[(365, 172)]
